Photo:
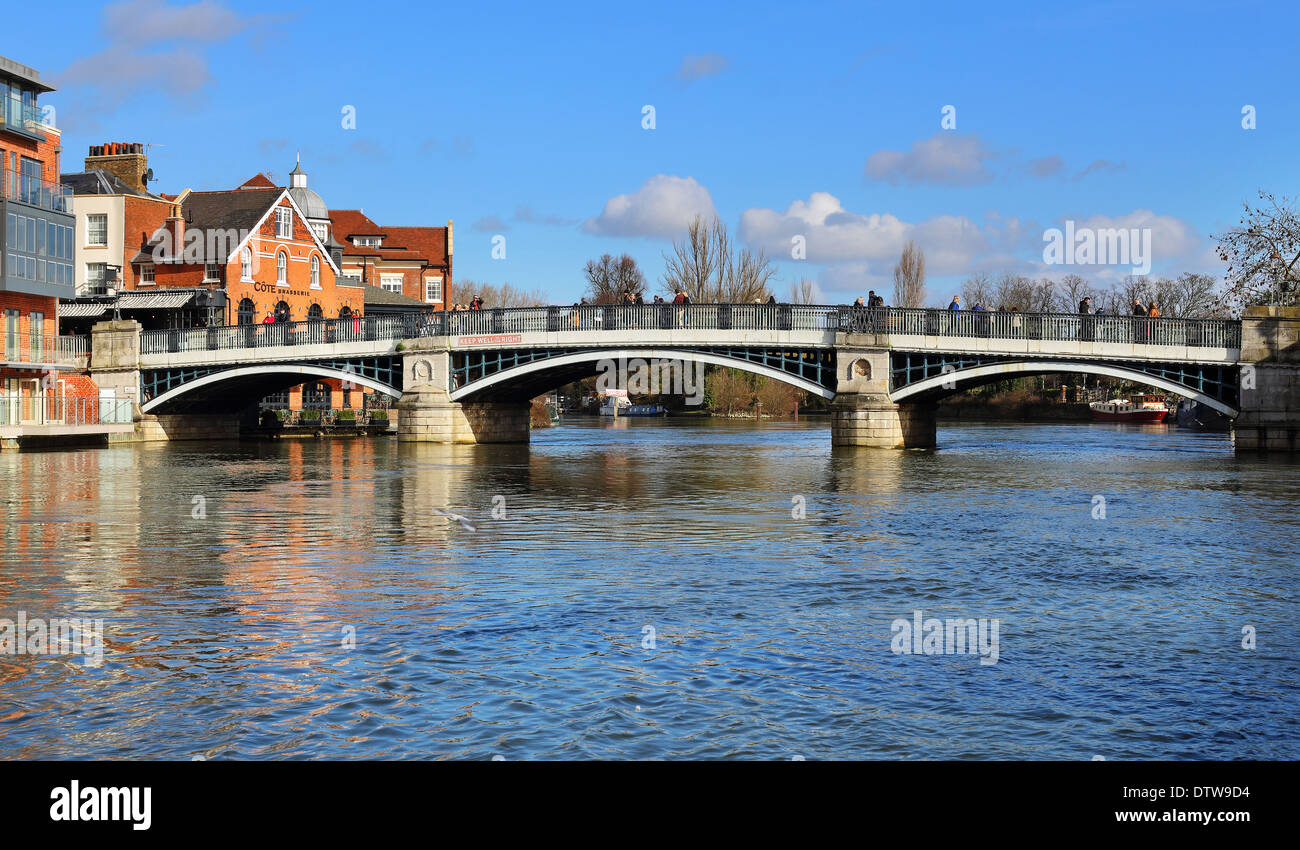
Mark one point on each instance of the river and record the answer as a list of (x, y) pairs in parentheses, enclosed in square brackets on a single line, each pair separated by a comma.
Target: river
[(658, 589)]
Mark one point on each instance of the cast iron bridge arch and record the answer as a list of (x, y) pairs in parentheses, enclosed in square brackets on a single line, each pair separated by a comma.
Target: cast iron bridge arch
[(383, 373), (805, 365)]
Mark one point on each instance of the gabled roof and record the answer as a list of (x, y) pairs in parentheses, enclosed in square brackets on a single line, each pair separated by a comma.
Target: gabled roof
[(241, 209), (257, 181), (429, 242), (413, 244)]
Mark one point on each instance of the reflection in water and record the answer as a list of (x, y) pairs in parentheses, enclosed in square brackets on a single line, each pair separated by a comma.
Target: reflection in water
[(312, 599)]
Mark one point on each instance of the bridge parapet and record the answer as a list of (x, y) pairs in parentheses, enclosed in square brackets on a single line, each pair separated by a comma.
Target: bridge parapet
[(1270, 381)]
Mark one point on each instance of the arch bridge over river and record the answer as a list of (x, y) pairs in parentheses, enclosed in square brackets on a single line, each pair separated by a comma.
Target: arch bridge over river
[(468, 376)]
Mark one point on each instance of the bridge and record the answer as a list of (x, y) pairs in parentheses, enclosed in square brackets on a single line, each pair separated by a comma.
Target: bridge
[(469, 376)]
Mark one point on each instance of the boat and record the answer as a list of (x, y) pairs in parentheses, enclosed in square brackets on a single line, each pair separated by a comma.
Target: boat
[(627, 408), (1142, 408), (1200, 417)]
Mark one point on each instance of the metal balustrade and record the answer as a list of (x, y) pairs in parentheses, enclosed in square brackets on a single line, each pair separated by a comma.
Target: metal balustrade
[(45, 349), (64, 410), (1207, 333)]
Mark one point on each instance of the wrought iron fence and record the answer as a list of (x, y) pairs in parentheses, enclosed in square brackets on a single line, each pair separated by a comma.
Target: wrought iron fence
[(1211, 333)]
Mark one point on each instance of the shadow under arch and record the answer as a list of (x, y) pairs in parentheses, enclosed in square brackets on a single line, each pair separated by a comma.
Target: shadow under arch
[(948, 383)]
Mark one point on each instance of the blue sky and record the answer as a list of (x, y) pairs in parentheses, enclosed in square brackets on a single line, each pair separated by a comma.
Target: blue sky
[(816, 120)]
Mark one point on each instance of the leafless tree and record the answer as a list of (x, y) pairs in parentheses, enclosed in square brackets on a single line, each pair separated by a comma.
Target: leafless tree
[(1073, 289), (909, 277), (505, 295), (609, 276), (1188, 296), (1263, 254), (710, 270), (977, 289), (804, 292)]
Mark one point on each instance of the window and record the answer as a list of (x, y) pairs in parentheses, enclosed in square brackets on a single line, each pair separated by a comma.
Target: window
[(391, 282), (246, 263), (315, 272), (95, 273), (97, 230), (247, 311), (284, 222), (282, 269), (146, 274), (36, 331), (282, 312), (316, 396), (315, 312), (367, 241), (11, 334), (322, 231), (433, 290)]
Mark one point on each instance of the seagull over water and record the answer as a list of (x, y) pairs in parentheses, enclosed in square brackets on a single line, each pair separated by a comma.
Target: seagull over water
[(457, 517)]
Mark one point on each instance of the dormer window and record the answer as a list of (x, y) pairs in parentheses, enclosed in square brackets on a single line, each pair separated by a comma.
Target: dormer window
[(367, 241), (283, 223)]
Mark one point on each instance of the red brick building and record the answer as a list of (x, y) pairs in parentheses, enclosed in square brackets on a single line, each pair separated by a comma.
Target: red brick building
[(37, 233), (411, 261)]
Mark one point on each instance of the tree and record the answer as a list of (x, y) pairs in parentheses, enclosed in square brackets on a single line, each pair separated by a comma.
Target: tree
[(505, 295), (978, 289), (1188, 296), (1074, 289), (804, 292), (1263, 254), (608, 277), (706, 266), (909, 277)]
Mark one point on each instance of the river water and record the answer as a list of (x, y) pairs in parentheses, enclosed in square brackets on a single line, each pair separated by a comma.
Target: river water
[(658, 589)]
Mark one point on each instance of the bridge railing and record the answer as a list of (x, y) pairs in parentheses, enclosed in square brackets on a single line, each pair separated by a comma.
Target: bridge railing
[(312, 332), (1209, 333), (997, 324)]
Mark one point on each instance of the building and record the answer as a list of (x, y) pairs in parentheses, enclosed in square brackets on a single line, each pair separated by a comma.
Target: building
[(112, 201), (411, 261), (204, 258), (37, 249)]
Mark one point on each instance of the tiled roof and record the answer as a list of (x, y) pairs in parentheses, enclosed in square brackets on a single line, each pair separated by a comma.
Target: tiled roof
[(429, 242), (353, 222), (258, 181), (240, 209), (377, 295)]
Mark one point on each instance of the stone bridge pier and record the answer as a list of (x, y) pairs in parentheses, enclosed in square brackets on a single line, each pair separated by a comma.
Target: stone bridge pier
[(862, 413), (1270, 381), (426, 413)]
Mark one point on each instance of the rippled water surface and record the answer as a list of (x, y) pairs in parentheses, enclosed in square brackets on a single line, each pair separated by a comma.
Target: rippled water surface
[(233, 578)]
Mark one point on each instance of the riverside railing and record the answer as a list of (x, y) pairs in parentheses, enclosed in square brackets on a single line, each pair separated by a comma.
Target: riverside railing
[(1211, 333), (45, 348), (64, 410)]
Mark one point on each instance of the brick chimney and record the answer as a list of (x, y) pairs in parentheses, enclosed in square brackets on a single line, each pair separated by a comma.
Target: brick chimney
[(126, 161)]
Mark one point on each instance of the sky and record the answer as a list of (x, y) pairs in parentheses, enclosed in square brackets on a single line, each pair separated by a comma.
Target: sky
[(825, 135)]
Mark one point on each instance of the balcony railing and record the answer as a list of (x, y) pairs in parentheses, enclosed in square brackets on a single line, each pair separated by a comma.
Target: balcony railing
[(64, 410), (33, 190), (1207, 333), (16, 115), (45, 348)]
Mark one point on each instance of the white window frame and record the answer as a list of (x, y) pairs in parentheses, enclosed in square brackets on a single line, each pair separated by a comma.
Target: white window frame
[(246, 263), (387, 280), (432, 281), (92, 230), (95, 285), (147, 274), (283, 223), (208, 268), (315, 271), (281, 268)]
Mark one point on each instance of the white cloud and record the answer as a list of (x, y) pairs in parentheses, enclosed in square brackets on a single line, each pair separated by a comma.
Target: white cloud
[(834, 235), (945, 158), (662, 208)]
